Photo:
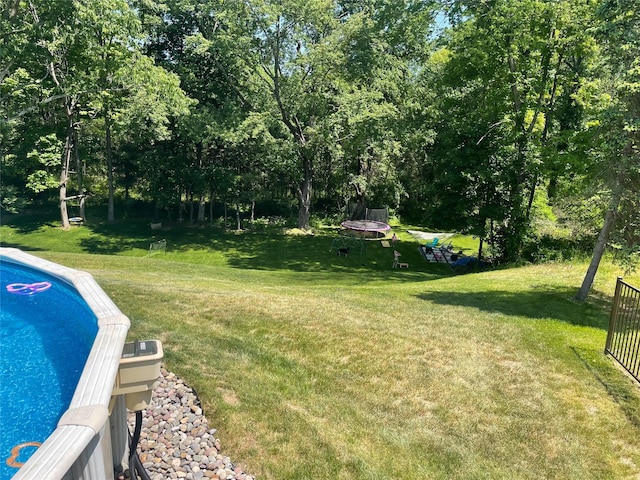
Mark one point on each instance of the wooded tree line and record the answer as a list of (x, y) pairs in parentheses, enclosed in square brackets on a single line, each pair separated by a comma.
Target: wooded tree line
[(502, 118)]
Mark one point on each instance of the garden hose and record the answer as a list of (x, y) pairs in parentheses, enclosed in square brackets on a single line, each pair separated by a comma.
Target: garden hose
[(135, 465)]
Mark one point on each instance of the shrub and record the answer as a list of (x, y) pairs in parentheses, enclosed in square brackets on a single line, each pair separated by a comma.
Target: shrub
[(547, 248)]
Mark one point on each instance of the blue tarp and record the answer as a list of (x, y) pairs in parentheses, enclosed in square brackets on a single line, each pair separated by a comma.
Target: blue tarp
[(462, 261)]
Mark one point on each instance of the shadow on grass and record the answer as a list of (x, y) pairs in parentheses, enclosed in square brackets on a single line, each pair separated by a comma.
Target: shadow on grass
[(265, 249), (548, 302), (30, 222), (25, 248), (109, 240)]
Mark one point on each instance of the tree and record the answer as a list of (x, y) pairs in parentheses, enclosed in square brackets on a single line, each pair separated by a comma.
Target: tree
[(133, 94), (368, 122), (66, 60), (503, 81), (289, 41), (619, 33), (63, 58), (199, 42), (85, 59), (335, 71)]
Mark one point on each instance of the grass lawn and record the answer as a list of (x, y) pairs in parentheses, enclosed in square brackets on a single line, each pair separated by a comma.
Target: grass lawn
[(314, 366)]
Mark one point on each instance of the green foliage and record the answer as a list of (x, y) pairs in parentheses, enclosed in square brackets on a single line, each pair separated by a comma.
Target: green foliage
[(518, 109), (506, 96), (41, 180), (557, 248), (46, 155), (10, 201)]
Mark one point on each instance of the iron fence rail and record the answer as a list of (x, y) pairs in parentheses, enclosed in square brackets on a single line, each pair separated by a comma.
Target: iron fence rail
[(623, 336)]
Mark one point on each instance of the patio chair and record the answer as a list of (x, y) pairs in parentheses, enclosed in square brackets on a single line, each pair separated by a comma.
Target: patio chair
[(433, 243), (396, 261)]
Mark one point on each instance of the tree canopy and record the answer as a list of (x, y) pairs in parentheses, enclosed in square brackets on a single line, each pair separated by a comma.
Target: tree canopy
[(495, 118)]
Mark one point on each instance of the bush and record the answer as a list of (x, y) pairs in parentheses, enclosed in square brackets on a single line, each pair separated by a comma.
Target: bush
[(547, 248), (275, 208)]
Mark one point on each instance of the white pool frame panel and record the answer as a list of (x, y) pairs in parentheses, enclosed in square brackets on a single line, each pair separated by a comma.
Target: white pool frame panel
[(87, 444)]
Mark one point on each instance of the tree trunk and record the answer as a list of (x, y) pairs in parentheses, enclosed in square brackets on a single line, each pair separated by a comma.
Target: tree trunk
[(82, 211), (79, 171), (111, 216), (304, 204), (601, 243), (517, 222), (359, 212), (191, 209), (550, 111), (65, 161), (211, 197), (64, 215), (202, 206), (532, 195), (304, 193), (297, 131)]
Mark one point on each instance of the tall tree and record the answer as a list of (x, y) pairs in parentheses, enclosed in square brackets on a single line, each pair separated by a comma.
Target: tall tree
[(65, 56), (382, 44), (286, 39), (21, 96), (134, 95), (65, 59), (203, 43), (82, 59), (112, 30), (506, 80), (334, 71), (619, 34)]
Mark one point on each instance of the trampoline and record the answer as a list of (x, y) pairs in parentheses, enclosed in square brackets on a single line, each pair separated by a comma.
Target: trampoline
[(366, 227)]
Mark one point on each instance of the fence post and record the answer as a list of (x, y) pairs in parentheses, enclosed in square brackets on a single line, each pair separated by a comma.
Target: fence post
[(614, 315)]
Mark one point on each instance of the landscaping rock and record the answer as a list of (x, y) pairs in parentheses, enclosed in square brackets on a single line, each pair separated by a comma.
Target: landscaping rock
[(176, 440)]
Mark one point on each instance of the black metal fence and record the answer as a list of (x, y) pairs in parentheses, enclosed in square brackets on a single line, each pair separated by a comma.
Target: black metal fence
[(623, 338)]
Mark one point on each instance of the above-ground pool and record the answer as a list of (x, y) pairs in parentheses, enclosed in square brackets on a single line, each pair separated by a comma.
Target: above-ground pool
[(46, 334), (61, 340)]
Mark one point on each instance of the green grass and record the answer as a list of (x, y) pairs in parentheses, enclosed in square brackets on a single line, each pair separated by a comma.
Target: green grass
[(314, 366)]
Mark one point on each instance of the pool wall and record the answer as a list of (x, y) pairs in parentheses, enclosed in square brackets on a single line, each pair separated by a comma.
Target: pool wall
[(86, 445)]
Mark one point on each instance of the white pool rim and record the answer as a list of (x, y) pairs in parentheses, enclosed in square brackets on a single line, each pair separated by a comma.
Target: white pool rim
[(78, 442)]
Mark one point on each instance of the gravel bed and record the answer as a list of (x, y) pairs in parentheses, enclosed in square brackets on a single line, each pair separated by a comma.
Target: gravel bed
[(176, 439)]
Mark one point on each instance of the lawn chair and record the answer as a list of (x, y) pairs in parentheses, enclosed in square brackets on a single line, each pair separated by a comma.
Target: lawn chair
[(396, 261), (433, 243)]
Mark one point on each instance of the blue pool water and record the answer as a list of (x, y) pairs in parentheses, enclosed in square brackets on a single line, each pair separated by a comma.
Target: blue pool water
[(45, 339)]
